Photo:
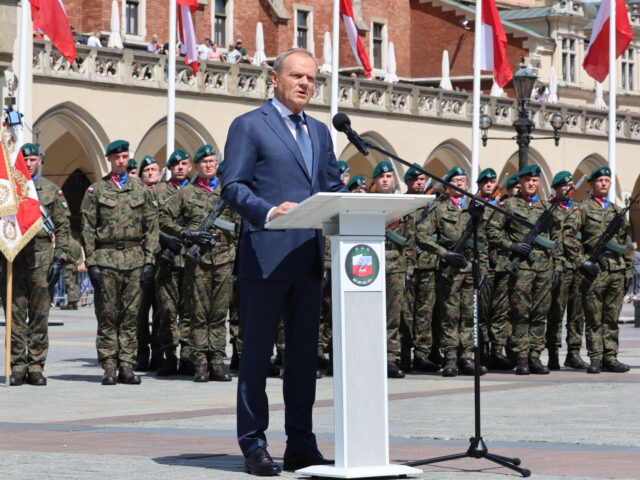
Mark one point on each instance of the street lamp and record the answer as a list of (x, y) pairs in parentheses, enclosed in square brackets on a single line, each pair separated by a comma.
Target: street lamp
[(523, 82)]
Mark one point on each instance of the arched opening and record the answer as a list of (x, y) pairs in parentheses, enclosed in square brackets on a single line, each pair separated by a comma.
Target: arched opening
[(585, 167), (74, 188), (447, 155), (364, 165)]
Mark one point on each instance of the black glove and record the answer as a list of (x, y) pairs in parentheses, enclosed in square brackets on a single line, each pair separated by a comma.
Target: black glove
[(555, 280), (170, 242), (147, 276), (198, 236), (521, 249), (589, 270), (95, 275), (407, 282), (627, 284), (54, 271), (456, 260)]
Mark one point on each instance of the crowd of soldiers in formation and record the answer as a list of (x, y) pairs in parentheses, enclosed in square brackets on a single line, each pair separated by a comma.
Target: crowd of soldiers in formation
[(169, 246)]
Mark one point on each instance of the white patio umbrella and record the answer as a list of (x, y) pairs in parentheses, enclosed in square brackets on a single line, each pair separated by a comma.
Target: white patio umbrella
[(260, 56), (115, 41), (391, 76), (599, 101), (445, 82), (496, 91), (326, 54), (553, 86)]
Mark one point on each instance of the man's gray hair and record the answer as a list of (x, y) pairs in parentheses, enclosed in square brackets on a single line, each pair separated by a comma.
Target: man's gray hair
[(279, 61)]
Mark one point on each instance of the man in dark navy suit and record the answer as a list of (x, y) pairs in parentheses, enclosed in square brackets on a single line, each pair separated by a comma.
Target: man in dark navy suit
[(277, 156)]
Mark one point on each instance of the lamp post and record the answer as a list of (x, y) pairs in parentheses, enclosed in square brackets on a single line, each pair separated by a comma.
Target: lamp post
[(523, 82)]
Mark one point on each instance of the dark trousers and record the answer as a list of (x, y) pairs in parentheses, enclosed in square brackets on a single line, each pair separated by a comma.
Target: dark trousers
[(262, 304)]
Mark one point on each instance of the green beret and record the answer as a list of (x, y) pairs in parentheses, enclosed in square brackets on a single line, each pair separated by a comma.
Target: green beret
[(220, 170), (412, 172), (343, 166), (177, 156), (132, 165), (454, 172), (487, 174), (119, 146), (204, 151), (530, 171), (146, 161), (382, 167), (356, 182), (30, 150), (512, 181), (561, 178), (599, 172)]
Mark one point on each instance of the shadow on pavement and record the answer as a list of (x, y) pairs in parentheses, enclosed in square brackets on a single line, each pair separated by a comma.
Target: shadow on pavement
[(77, 378), (214, 461), (86, 362)]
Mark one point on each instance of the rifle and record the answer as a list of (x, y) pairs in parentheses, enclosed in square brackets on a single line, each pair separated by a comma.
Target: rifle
[(496, 191), (212, 220), (47, 221), (426, 211), (604, 242), (168, 254), (534, 235)]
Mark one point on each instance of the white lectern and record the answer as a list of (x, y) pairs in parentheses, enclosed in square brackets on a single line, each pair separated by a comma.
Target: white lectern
[(356, 223)]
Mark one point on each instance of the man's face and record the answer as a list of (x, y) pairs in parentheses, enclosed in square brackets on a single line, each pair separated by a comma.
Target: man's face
[(384, 182), (207, 42), (562, 190), (181, 169), (486, 187), (529, 185), (207, 167), (151, 174), (133, 172), (33, 162), (119, 162), (460, 181), (601, 186), (416, 184), (293, 86)]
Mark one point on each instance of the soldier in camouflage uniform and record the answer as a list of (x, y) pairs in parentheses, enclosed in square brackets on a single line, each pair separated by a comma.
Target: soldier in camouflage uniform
[(208, 282), (567, 294), (530, 294), (120, 235), (399, 264), (357, 184), (35, 270), (602, 300), (70, 274), (448, 221)]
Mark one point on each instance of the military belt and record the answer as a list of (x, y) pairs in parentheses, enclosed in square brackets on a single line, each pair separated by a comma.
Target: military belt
[(120, 245)]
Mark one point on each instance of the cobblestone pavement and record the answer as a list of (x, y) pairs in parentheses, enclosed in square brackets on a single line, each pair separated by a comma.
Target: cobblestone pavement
[(564, 425)]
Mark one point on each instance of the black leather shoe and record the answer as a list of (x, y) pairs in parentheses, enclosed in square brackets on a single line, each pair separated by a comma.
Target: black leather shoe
[(554, 360), (201, 374), (17, 378), (615, 366), (424, 364), (109, 376), (293, 462), (450, 369), (522, 366), (37, 379), (169, 366), (260, 463), (536, 367), (467, 367), (595, 367), (187, 367), (394, 371), (217, 374), (126, 376)]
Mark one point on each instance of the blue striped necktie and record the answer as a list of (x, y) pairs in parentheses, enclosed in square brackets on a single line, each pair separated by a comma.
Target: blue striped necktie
[(302, 139)]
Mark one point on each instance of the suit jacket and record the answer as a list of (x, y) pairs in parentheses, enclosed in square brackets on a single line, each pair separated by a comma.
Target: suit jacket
[(263, 168)]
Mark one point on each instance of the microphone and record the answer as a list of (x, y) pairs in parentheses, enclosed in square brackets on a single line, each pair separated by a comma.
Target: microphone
[(342, 123)]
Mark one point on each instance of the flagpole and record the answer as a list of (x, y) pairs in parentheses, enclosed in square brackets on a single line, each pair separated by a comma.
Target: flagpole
[(612, 98), (7, 340), (335, 54), (475, 119), (171, 81), (22, 66)]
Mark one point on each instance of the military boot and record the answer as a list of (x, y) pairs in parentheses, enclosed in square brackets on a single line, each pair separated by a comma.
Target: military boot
[(394, 370), (186, 367), (37, 379), (615, 366), (554, 360), (142, 360), (217, 373), (574, 361), (109, 376), (169, 366), (17, 378), (595, 367), (450, 369), (536, 367), (201, 374), (498, 360), (126, 376), (424, 364), (522, 366)]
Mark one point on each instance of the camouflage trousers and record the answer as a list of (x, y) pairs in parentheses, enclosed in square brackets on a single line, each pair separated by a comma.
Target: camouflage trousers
[(457, 316), (208, 290), (396, 307), (530, 302), (325, 337), (424, 301), (493, 309), (173, 316), (485, 298), (30, 305), (117, 309), (567, 296), (70, 278), (602, 302)]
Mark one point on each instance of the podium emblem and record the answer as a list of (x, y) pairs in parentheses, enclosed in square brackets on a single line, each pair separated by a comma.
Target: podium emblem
[(362, 265)]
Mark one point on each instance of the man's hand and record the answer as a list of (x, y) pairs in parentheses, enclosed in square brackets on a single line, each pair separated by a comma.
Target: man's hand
[(456, 260), (589, 270), (197, 236), (54, 271), (522, 249), (95, 275), (147, 276), (281, 209), (170, 242)]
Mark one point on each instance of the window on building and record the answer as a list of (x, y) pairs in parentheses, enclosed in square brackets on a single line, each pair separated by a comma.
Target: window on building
[(377, 45), (219, 23), (628, 69), (569, 53), (131, 18), (302, 25)]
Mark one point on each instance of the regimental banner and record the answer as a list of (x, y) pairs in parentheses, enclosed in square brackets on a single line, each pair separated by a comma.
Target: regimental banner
[(8, 198)]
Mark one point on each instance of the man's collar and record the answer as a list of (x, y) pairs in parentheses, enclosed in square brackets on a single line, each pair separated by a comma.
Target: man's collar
[(284, 111)]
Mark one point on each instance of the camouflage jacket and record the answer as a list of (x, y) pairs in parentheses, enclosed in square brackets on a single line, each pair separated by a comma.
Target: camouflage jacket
[(503, 231), (75, 253), (400, 246), (119, 225), (163, 192), (560, 217), (40, 250), (584, 226), (425, 259), (194, 203)]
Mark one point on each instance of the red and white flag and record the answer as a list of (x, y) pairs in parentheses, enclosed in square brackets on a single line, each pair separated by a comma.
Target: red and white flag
[(8, 199), (494, 45), (346, 10), (596, 59), (187, 33), (50, 18)]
